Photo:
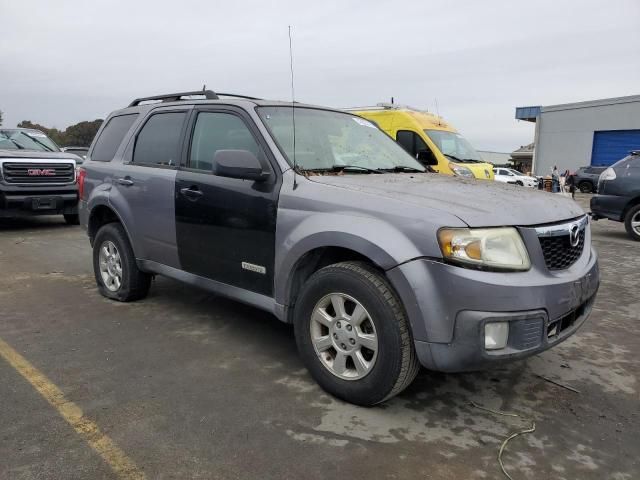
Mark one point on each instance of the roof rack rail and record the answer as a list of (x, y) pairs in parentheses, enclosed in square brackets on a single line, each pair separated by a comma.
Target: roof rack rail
[(175, 97), (234, 95), (386, 106)]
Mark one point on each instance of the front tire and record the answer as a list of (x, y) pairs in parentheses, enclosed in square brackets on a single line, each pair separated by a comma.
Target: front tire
[(632, 222), (353, 334), (114, 266)]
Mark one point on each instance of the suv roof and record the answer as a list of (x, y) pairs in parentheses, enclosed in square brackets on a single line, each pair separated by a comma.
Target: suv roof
[(209, 96)]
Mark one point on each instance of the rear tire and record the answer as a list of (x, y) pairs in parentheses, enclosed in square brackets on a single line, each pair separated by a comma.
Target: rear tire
[(370, 371), (72, 218), (585, 187), (114, 265), (632, 222), (519, 183)]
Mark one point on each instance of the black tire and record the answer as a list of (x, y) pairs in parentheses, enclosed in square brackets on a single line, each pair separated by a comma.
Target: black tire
[(518, 182), (135, 283), (585, 187), (396, 364), (631, 213), (72, 218)]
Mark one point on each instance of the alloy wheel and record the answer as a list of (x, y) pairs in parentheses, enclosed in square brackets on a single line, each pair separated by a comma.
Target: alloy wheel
[(344, 336), (110, 266)]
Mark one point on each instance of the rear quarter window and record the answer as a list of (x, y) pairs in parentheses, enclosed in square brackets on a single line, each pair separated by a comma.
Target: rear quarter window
[(111, 137)]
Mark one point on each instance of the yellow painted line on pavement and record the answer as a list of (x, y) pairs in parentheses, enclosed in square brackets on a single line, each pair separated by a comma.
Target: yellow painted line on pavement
[(122, 465)]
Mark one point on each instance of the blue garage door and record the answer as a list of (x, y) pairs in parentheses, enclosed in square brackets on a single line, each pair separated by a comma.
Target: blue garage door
[(609, 146)]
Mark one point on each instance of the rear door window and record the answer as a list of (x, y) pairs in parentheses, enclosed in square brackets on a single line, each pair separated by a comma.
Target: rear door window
[(158, 143), (111, 137)]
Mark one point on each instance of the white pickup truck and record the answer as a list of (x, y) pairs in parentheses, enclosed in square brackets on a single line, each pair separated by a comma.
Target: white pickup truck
[(36, 177)]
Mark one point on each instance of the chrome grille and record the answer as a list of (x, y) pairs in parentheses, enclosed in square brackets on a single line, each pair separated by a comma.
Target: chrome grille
[(38, 173), (562, 245)]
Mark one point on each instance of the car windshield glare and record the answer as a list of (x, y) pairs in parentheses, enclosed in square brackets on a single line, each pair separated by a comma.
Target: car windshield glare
[(454, 145), (26, 140), (329, 140)]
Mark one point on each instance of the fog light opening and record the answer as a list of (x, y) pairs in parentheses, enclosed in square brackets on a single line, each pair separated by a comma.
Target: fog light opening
[(496, 335)]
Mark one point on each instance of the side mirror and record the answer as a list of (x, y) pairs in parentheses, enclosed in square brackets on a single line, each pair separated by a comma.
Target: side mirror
[(426, 158), (238, 164)]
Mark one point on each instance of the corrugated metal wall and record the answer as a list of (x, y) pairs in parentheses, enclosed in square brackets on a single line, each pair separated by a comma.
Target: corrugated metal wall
[(609, 146), (566, 135)]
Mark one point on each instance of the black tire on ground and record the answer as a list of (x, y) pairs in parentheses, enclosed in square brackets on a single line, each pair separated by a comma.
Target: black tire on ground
[(396, 364), (135, 283), (518, 182), (72, 218), (585, 187), (631, 213)]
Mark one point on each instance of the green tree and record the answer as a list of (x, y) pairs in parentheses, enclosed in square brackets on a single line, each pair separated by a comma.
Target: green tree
[(81, 134)]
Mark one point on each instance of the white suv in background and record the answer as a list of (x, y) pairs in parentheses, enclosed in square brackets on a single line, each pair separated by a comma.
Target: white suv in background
[(509, 175)]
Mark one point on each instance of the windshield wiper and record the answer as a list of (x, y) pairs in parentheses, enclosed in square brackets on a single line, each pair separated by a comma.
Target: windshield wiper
[(340, 168), (453, 157), (401, 168), (20, 147), (462, 160), (47, 147)]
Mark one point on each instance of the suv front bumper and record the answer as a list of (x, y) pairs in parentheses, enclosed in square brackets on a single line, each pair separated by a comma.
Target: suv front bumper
[(19, 201), (448, 307)]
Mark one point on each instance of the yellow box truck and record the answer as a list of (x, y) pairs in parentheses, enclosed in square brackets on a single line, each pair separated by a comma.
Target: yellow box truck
[(429, 138)]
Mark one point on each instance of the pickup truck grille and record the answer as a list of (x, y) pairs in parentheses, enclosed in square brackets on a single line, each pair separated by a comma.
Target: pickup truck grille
[(562, 245), (38, 173)]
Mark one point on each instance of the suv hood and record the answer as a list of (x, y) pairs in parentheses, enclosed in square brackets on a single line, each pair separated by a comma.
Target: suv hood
[(35, 154), (477, 203)]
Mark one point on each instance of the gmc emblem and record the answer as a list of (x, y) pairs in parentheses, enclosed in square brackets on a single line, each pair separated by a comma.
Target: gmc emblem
[(41, 172)]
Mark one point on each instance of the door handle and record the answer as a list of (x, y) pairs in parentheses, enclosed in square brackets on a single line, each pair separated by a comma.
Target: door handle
[(127, 182), (192, 193)]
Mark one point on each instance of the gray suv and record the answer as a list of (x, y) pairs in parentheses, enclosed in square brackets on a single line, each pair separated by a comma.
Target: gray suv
[(586, 178), (318, 217)]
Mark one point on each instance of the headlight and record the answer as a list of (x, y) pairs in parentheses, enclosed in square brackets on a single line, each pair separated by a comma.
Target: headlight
[(460, 171), (497, 248), (608, 174)]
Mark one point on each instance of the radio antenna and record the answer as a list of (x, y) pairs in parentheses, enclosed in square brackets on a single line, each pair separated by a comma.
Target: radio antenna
[(438, 112), (293, 110)]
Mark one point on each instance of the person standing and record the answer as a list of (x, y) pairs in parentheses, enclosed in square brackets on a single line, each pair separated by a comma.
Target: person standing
[(555, 180), (571, 181)]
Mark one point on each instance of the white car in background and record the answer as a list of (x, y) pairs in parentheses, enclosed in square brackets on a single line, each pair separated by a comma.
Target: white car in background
[(509, 175)]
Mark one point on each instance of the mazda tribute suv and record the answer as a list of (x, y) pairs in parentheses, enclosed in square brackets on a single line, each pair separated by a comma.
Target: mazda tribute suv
[(320, 218)]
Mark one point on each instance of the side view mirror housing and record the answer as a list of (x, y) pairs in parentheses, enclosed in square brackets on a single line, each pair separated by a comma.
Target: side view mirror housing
[(238, 164), (427, 158)]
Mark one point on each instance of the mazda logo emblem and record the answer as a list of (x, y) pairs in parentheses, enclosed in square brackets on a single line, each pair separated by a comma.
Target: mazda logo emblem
[(574, 235)]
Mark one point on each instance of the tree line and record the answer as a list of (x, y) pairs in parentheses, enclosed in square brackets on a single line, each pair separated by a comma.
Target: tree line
[(78, 135)]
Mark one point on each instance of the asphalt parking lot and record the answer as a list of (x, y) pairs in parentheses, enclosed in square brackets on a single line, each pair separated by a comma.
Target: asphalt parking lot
[(189, 385)]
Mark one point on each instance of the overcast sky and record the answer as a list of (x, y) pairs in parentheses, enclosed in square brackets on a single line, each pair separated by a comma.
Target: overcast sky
[(66, 61)]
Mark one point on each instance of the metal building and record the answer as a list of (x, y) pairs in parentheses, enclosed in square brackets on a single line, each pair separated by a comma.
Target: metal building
[(573, 135)]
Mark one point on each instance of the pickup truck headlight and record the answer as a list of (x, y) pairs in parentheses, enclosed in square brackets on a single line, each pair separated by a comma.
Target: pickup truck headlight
[(492, 248), (460, 171)]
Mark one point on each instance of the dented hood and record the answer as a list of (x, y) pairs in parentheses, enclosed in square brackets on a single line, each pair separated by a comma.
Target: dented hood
[(478, 203)]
